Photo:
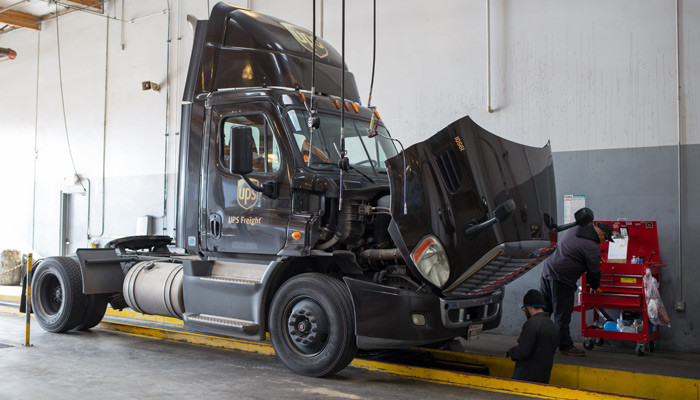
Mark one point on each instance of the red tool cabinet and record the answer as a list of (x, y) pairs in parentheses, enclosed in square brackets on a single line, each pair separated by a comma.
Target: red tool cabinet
[(623, 287)]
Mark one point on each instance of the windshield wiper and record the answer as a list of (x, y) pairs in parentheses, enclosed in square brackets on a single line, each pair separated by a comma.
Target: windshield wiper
[(362, 173), (336, 166)]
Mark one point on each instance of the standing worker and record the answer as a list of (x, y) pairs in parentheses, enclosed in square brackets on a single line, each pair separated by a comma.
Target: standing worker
[(578, 251), (538, 341)]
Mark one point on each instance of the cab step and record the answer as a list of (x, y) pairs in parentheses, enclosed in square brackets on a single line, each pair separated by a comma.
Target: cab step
[(214, 321)]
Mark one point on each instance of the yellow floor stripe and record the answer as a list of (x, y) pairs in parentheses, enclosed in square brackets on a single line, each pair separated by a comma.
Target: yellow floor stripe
[(595, 379), (192, 338), (144, 317), (484, 382), (423, 374), (8, 298), (568, 381)]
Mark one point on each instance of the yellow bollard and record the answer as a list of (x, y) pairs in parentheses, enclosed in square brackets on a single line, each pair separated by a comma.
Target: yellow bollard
[(29, 298)]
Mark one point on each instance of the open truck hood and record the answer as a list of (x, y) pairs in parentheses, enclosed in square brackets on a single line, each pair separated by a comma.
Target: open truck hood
[(455, 180)]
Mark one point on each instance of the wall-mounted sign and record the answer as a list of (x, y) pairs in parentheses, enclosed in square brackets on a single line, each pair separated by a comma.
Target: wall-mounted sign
[(573, 203)]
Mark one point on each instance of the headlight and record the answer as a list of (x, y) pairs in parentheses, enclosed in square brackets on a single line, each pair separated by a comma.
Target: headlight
[(431, 260)]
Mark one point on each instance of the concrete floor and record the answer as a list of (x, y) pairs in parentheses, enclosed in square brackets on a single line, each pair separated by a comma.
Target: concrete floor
[(102, 364)]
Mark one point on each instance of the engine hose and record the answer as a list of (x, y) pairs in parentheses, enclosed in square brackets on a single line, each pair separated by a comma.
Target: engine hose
[(333, 216), (381, 254), (329, 243)]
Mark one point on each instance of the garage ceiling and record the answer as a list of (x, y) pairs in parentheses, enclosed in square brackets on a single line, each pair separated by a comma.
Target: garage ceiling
[(28, 14)]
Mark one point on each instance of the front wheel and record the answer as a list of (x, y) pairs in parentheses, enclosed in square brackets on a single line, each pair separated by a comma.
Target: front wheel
[(312, 325), (57, 295)]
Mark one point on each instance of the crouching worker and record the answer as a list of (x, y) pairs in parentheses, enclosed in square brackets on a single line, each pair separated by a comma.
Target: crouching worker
[(538, 341)]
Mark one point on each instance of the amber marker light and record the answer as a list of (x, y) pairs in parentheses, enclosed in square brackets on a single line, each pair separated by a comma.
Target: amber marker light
[(347, 107), (337, 103), (302, 97), (296, 235), (354, 107), (376, 114)]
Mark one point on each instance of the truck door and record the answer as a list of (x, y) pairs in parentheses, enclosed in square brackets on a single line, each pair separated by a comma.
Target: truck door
[(239, 219)]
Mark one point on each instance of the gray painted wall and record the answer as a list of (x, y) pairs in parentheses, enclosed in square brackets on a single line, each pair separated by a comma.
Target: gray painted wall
[(637, 184)]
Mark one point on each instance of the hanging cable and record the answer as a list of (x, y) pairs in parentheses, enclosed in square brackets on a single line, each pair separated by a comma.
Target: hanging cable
[(104, 125), (314, 122), (63, 102), (374, 55), (313, 57), (36, 134), (167, 115), (343, 162), (374, 123), (405, 169)]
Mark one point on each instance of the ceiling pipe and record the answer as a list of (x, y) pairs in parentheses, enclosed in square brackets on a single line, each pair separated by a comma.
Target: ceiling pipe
[(7, 54), (678, 128)]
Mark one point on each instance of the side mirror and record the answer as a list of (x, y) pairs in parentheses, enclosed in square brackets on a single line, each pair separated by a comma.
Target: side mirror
[(241, 150)]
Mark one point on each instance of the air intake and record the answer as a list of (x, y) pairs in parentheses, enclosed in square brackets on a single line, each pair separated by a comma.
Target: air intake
[(450, 170)]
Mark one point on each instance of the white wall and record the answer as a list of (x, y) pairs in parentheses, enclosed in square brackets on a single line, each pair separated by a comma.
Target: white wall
[(585, 74)]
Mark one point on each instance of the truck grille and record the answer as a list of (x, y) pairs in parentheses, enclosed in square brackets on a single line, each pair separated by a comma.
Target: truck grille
[(502, 265)]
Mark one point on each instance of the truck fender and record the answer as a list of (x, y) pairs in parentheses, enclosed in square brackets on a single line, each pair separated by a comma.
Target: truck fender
[(101, 270)]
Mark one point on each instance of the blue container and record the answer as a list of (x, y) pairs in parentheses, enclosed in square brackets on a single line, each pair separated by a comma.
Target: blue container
[(610, 326)]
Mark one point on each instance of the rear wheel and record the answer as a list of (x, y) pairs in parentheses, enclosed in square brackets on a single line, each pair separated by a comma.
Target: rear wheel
[(312, 325), (94, 311), (57, 296)]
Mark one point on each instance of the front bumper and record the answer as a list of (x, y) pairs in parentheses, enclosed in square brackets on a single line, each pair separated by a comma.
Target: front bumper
[(383, 315)]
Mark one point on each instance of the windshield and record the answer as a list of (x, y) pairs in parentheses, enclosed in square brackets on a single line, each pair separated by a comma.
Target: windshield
[(365, 154)]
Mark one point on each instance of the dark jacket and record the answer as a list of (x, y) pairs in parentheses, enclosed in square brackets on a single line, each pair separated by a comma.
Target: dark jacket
[(578, 251), (534, 354)]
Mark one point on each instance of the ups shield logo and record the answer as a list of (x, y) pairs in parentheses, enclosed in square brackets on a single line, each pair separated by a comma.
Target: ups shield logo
[(306, 39), (247, 197)]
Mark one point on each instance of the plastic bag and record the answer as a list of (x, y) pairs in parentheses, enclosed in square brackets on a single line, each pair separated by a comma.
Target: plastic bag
[(655, 307)]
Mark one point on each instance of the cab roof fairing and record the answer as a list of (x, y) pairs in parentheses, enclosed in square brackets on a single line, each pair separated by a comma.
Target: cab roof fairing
[(239, 48)]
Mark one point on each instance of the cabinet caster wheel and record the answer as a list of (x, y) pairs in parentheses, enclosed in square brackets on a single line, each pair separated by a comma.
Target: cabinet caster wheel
[(640, 349), (599, 341), (588, 344)]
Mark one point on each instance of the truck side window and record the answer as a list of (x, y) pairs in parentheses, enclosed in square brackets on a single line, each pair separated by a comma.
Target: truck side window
[(266, 153)]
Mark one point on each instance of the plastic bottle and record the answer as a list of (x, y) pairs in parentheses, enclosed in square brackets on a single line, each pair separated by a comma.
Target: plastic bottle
[(634, 260), (620, 324)]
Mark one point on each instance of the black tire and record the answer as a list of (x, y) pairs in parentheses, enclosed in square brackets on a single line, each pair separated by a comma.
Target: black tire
[(312, 325), (588, 344), (58, 301), (94, 311), (599, 341), (640, 349)]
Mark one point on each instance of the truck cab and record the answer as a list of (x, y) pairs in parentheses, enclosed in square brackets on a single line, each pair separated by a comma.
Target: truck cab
[(299, 216)]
